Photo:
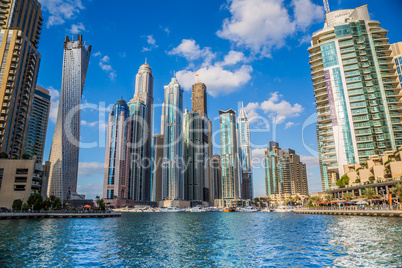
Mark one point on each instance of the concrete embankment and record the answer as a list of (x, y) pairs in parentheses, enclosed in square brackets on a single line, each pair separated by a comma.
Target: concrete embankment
[(376, 213), (10, 216)]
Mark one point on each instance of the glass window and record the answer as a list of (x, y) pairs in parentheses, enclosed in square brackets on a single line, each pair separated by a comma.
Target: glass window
[(329, 56), (22, 171)]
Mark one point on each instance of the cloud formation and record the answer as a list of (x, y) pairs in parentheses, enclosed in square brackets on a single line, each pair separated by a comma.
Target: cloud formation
[(190, 50), (61, 10), (104, 64), (54, 103), (90, 169), (263, 25), (77, 28), (276, 108), (151, 43)]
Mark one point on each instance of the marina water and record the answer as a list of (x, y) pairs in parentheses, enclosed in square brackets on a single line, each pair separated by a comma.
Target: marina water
[(203, 240)]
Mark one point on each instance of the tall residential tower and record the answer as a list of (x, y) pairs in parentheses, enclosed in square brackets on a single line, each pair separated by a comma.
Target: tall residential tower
[(140, 136), (356, 92), (172, 165), (19, 63), (245, 152), (65, 145)]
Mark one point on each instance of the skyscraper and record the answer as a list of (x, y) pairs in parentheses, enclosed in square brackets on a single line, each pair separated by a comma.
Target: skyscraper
[(199, 98), (231, 169), (19, 36), (65, 145), (140, 136), (216, 176), (397, 55), (284, 173), (356, 92), (156, 178), (245, 150), (37, 126), (172, 165), (115, 181), (195, 156)]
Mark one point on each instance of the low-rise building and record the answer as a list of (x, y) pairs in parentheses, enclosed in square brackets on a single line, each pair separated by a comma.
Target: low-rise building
[(19, 178)]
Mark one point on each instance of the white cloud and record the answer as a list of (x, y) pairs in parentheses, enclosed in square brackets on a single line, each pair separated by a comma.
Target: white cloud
[(258, 153), (61, 10), (233, 57), (90, 168), (306, 13), (77, 28), (289, 124), (89, 124), (190, 50), (280, 109), (310, 161), (103, 64), (262, 25), (54, 103), (218, 80), (151, 42)]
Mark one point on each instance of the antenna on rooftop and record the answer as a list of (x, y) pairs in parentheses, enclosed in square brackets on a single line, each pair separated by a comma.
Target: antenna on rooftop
[(145, 59), (326, 6)]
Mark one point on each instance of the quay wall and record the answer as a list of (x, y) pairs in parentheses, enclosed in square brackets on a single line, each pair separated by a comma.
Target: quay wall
[(11, 216), (377, 213)]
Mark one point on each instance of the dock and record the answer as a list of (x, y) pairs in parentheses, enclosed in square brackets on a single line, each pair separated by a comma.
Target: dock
[(56, 215), (347, 212)]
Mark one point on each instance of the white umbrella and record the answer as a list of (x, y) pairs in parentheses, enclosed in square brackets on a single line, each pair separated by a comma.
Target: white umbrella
[(361, 202)]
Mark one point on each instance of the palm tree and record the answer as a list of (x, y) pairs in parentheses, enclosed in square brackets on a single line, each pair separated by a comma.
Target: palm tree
[(348, 196), (329, 198), (397, 190), (370, 194)]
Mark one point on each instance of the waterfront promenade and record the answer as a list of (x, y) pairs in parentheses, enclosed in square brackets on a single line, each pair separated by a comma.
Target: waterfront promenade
[(350, 212), (34, 215)]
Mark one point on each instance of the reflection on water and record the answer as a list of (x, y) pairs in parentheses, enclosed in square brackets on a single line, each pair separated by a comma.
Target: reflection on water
[(203, 239)]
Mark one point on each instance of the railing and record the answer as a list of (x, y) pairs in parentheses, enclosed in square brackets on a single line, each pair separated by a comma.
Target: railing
[(355, 207)]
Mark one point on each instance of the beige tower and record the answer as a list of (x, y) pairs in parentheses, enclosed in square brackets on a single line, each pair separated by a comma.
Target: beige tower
[(19, 59), (397, 55)]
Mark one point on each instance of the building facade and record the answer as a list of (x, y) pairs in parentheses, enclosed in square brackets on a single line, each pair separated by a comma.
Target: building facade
[(19, 38), (37, 126), (19, 179), (216, 167), (245, 152), (195, 156), (115, 181), (230, 162), (140, 136), (284, 173), (173, 165), (356, 91), (397, 55), (65, 144), (156, 178)]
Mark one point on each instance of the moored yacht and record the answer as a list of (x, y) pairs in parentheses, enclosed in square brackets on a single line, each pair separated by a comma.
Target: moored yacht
[(171, 209)]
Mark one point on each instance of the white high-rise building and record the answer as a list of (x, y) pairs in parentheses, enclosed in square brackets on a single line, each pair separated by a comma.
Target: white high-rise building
[(245, 152), (172, 165), (65, 145), (356, 92)]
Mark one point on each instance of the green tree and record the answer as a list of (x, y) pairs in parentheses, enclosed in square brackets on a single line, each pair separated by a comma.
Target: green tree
[(3, 155), (329, 198), (101, 204), (57, 203), (17, 204), (348, 196), (397, 190), (343, 181), (26, 156), (36, 201), (370, 194)]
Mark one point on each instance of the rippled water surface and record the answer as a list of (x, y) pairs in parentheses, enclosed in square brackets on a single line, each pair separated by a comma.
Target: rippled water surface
[(203, 240)]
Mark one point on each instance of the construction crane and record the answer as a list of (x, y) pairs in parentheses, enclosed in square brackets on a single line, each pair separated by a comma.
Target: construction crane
[(326, 6)]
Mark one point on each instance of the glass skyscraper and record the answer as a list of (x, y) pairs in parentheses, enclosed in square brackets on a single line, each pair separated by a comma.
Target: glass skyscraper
[(356, 92), (115, 182), (140, 136), (231, 169), (172, 165), (245, 152), (37, 126), (65, 145)]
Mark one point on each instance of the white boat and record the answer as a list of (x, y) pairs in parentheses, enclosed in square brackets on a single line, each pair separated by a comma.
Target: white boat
[(248, 209), (266, 210), (282, 209), (198, 209), (171, 209)]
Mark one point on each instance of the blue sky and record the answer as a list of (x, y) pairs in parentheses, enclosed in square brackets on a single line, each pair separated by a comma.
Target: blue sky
[(253, 51)]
